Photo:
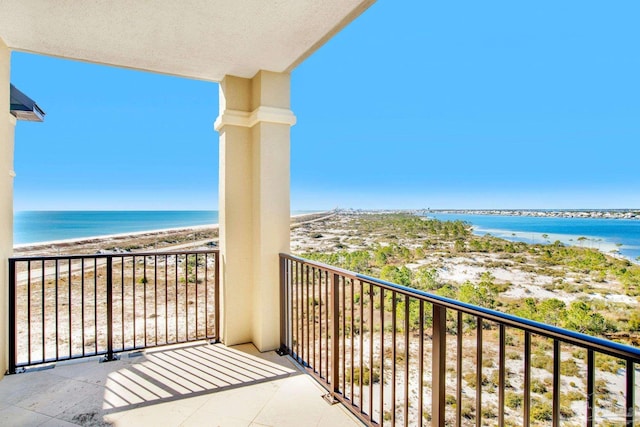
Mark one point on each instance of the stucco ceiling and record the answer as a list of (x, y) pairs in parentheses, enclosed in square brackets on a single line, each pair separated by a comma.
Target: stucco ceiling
[(202, 39)]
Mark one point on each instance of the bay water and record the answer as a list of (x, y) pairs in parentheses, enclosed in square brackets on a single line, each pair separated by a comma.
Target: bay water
[(606, 234)]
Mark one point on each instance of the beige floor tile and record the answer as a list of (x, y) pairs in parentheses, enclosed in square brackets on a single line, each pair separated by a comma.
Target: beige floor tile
[(56, 422), (19, 417), (88, 412), (59, 396), (164, 414), (208, 420), (182, 386)]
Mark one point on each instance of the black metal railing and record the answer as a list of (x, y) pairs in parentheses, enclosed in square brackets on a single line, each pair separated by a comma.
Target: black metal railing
[(66, 307), (383, 350)]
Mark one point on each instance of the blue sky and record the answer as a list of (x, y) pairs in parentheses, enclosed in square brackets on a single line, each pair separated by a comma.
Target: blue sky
[(457, 104)]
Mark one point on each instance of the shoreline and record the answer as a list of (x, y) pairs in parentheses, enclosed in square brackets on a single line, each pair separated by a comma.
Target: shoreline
[(295, 219)]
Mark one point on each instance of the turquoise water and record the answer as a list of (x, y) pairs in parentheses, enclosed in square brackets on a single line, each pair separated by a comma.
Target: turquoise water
[(45, 226), (607, 235)]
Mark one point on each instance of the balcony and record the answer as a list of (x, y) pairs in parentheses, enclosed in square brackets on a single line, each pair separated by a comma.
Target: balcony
[(152, 318), (390, 355)]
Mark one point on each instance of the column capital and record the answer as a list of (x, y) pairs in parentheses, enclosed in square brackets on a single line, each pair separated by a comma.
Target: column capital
[(12, 119), (262, 114), (264, 98)]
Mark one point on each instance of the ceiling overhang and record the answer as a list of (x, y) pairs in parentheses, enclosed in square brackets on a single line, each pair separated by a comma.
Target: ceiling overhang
[(201, 39)]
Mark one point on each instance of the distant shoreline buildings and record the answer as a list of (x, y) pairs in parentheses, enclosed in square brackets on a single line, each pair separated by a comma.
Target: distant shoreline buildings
[(546, 213)]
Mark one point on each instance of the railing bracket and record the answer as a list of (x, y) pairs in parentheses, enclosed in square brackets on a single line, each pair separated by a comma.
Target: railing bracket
[(282, 351), (106, 358), (330, 398)]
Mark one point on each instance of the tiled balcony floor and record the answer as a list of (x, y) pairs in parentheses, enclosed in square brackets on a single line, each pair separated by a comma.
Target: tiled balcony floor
[(191, 385)]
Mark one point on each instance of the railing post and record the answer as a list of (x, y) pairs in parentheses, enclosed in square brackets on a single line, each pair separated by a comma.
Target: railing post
[(438, 360), (630, 400), (12, 317), (335, 339), (109, 356), (216, 302), (283, 350)]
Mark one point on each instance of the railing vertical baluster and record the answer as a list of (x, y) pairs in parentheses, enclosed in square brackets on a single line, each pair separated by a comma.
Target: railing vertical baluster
[(459, 325), (352, 340), (371, 367), (343, 313), (217, 299), (307, 316), (283, 316), (362, 347), (133, 286), (206, 292), (421, 364), (13, 347), (335, 338), (479, 372), (122, 300), (406, 360), (320, 325), (296, 299), (155, 295), (439, 360), (145, 280), (313, 318), (289, 301), (527, 379), (81, 309), (394, 358), (590, 387), (326, 321), (630, 393), (110, 355), (556, 384), (166, 299), (501, 375), (175, 297), (56, 292), (70, 287), (95, 307), (381, 397), (44, 303), (196, 297), (29, 307), (186, 297)]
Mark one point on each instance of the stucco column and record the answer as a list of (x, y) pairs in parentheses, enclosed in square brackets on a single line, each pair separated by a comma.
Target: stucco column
[(7, 128), (254, 126)]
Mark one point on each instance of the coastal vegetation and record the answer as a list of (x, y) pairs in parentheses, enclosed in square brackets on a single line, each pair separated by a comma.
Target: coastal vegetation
[(574, 287), (411, 251)]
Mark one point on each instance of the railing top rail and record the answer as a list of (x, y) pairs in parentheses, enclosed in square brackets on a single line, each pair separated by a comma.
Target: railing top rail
[(111, 255), (570, 337)]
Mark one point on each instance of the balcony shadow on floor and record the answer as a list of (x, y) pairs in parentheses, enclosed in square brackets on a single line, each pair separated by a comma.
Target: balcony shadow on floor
[(165, 375)]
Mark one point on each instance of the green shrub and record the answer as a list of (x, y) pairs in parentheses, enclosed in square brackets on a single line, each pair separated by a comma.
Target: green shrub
[(569, 368), (541, 411), (542, 361), (513, 400), (538, 386), (468, 411)]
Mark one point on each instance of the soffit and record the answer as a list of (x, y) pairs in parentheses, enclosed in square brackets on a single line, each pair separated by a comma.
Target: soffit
[(202, 39)]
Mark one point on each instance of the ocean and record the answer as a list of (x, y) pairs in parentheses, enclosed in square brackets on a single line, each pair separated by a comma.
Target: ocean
[(46, 226), (607, 235)]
